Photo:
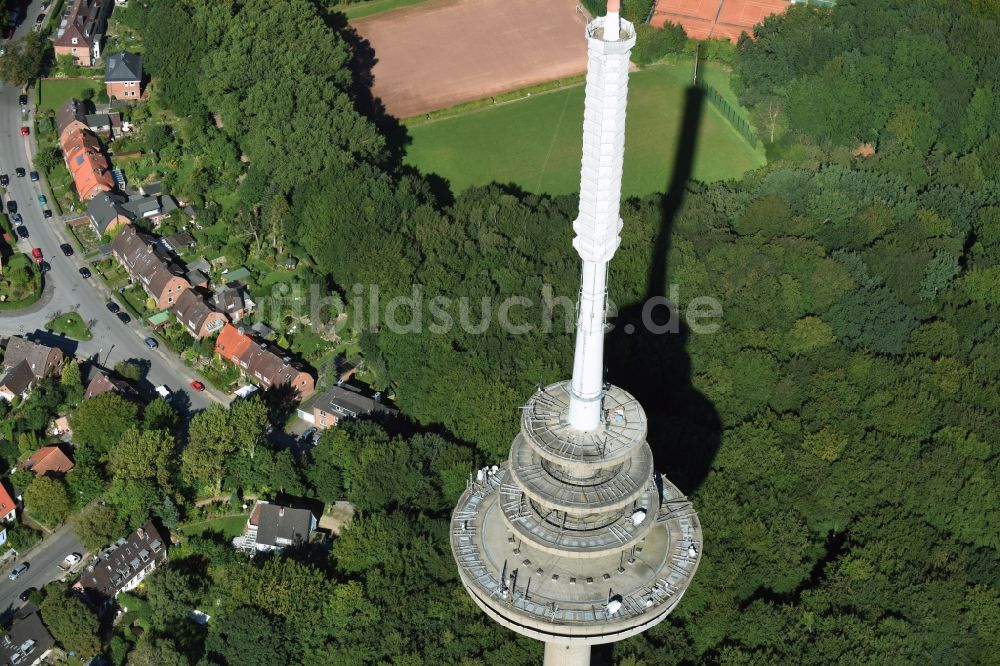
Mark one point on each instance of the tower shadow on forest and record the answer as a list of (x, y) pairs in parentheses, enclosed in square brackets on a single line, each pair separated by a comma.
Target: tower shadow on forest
[(653, 365)]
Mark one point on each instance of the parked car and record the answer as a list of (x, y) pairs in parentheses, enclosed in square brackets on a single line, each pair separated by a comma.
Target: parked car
[(67, 249), (24, 596), (46, 213), (18, 570), (23, 100), (4, 179), (151, 343), (37, 254), (163, 392), (25, 131), (197, 386), (20, 172), (11, 206), (85, 272), (70, 560), (42, 200), (307, 434), (34, 176), (124, 317), (112, 307), (22, 231), (16, 218)]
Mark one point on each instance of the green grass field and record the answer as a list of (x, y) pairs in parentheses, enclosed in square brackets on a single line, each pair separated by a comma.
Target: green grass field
[(54, 92), (71, 325), (362, 9), (536, 143)]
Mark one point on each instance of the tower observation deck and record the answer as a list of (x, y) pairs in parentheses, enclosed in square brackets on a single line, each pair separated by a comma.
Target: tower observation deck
[(577, 540)]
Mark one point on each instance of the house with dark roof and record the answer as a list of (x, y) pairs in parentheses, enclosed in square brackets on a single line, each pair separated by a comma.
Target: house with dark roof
[(81, 30), (275, 527), (122, 567), (72, 115), (27, 642), (345, 401), (235, 302), (268, 365), (17, 382), (48, 460), (159, 277), (110, 210), (197, 316), (8, 505), (101, 382), (42, 359), (123, 76)]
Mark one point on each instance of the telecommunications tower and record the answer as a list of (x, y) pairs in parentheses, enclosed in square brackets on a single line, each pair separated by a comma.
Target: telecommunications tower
[(577, 540)]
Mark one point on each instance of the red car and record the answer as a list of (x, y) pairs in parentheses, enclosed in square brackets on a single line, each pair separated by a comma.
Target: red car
[(25, 131), (197, 386), (37, 254)]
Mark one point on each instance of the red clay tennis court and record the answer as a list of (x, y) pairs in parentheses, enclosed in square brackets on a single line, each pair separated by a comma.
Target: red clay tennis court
[(724, 19), (442, 52)]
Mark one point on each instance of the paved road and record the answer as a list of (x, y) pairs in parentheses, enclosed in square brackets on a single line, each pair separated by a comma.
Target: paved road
[(43, 562), (66, 290)]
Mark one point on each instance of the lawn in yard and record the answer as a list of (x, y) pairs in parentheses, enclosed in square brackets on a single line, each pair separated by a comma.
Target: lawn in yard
[(55, 92), (71, 325), (230, 526), (536, 143)]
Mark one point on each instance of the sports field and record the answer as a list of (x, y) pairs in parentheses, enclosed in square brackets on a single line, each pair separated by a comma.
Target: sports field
[(536, 143)]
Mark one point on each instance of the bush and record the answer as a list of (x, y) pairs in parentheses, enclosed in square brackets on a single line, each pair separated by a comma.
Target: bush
[(652, 44)]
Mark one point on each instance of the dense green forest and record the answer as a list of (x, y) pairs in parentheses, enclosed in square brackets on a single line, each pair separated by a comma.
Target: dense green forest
[(837, 433)]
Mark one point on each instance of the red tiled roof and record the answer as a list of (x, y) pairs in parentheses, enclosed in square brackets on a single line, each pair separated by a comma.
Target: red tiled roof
[(7, 504), (49, 459)]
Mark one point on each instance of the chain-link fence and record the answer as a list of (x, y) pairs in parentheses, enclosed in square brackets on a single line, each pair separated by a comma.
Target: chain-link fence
[(735, 119)]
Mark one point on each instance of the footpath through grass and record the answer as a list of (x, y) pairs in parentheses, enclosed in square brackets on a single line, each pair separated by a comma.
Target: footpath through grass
[(536, 143)]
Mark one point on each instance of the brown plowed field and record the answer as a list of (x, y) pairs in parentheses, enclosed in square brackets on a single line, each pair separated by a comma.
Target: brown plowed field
[(443, 52)]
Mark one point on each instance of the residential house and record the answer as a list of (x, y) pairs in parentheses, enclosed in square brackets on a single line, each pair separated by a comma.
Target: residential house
[(107, 125), (89, 167), (81, 30), (161, 279), (196, 315), (235, 302), (184, 240), (274, 527), (110, 210), (8, 506), (123, 76), (42, 359), (345, 401), (71, 116), (269, 366), (28, 641), (122, 567), (48, 460), (101, 382), (17, 382)]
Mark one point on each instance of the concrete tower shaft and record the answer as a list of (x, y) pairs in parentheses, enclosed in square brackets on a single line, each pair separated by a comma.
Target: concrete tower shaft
[(576, 540)]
